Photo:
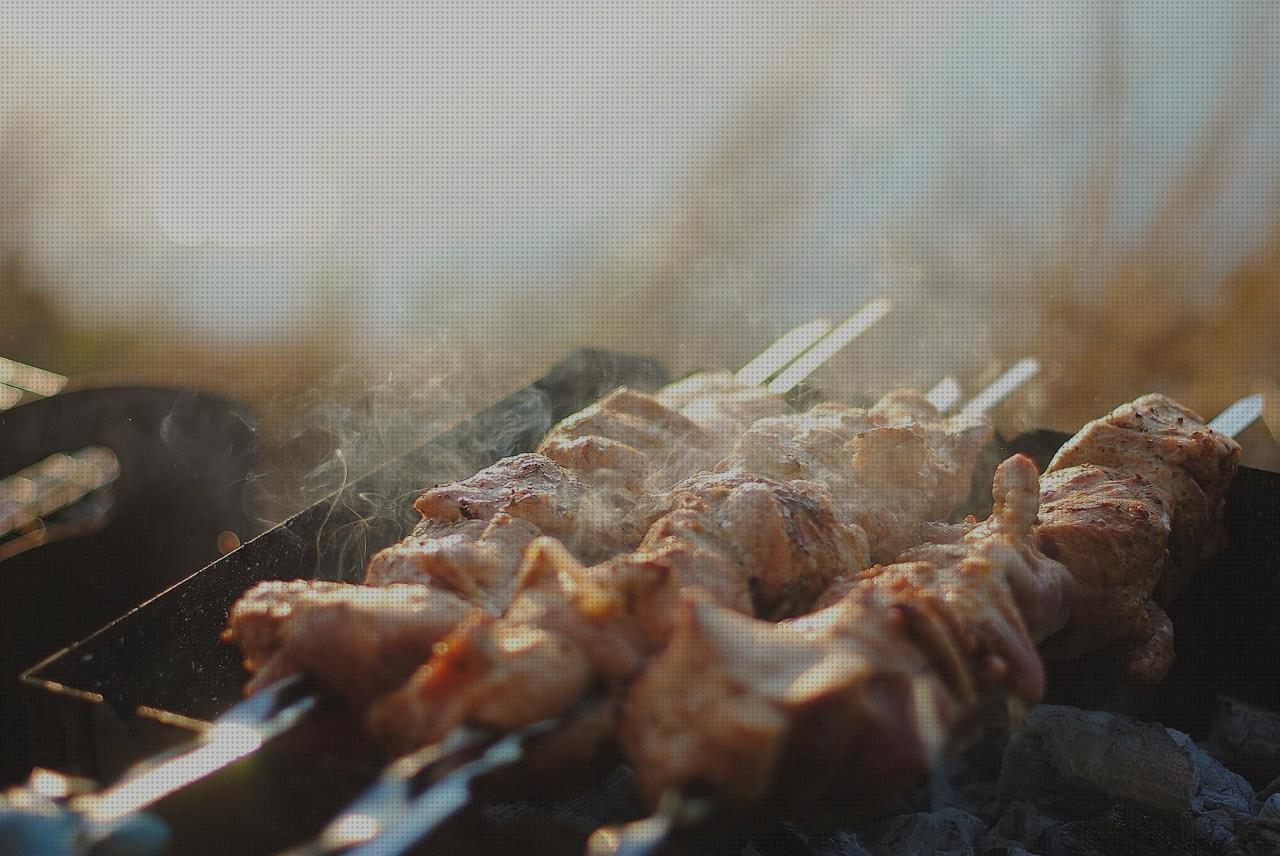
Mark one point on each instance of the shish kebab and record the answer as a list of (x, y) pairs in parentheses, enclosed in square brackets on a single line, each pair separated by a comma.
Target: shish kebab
[(867, 691), (278, 707), (678, 553), (976, 606)]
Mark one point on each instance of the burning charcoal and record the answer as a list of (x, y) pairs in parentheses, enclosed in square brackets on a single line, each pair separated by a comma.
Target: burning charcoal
[(1021, 823), (841, 844), (1081, 761), (947, 832), (1260, 837), (1246, 738), (1120, 831)]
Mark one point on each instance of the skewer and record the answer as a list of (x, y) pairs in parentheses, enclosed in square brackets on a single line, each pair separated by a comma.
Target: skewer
[(1002, 387), (945, 395), (247, 726), (782, 353), (676, 809), (18, 379), (236, 734), (811, 360), (401, 808)]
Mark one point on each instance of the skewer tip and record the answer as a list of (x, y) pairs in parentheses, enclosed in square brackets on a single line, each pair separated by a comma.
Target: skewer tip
[(1239, 415)]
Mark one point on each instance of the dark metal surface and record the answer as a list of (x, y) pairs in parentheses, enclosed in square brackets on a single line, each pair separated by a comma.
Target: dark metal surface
[(183, 459)]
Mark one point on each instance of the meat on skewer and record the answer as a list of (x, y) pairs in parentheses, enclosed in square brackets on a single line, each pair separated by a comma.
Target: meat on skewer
[(895, 470), (1132, 505), (859, 697), (755, 544), (475, 532), (963, 619), (748, 543)]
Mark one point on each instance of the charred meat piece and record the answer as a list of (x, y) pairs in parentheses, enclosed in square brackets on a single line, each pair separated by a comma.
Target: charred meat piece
[(854, 701), (477, 559), (743, 541), (670, 444), (1175, 450), (1111, 530), (355, 640), (785, 539), (534, 488)]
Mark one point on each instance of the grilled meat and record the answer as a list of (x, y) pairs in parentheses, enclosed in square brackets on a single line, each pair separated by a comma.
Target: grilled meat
[(742, 541), (356, 640), (1112, 531), (858, 698), (1132, 506), (477, 559), (1173, 448), (892, 469), (585, 492)]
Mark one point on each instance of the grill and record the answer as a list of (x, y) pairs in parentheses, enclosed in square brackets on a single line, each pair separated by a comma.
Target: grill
[(151, 678)]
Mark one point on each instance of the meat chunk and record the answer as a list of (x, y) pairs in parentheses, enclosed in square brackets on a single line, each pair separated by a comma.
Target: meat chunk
[(477, 559), (672, 445), (891, 470), (785, 539), (743, 541), (355, 640), (721, 405), (1175, 450), (857, 699), (536, 489), (1111, 530)]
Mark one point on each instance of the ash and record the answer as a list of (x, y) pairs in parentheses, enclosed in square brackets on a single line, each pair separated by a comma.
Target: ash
[(1067, 782)]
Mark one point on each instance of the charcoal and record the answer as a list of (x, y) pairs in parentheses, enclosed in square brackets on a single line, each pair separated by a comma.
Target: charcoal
[(1022, 822), (841, 844), (1079, 763), (1121, 831), (946, 832), (1270, 809), (1246, 738), (1260, 837)]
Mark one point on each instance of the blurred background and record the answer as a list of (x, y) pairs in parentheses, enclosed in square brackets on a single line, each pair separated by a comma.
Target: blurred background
[(365, 220)]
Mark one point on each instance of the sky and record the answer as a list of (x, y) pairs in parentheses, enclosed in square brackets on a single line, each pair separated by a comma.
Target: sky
[(207, 164)]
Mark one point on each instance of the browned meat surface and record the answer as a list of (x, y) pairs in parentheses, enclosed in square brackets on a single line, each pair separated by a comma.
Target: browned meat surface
[(534, 488), (785, 539), (891, 470), (857, 699), (671, 445), (840, 702), (355, 640), (1111, 530), (477, 559), (740, 540), (1172, 448)]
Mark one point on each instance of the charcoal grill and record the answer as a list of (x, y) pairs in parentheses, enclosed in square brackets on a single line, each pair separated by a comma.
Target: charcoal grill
[(152, 677)]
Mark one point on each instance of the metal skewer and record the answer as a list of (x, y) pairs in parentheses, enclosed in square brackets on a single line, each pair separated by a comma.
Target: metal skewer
[(945, 395), (811, 360), (1002, 387), (782, 353), (236, 734), (18, 379)]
